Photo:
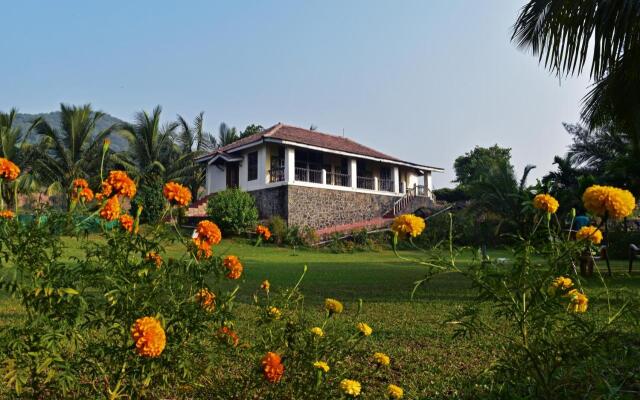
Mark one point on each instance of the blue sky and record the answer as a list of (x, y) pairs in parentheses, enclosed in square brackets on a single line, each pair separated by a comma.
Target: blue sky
[(421, 80)]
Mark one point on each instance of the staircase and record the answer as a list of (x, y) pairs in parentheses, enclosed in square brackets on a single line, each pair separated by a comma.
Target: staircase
[(198, 208), (413, 199)]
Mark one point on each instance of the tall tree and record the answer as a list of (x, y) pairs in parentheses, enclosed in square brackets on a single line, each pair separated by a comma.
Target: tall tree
[(194, 142), (251, 130), (567, 35), (481, 161), (227, 135), (73, 150)]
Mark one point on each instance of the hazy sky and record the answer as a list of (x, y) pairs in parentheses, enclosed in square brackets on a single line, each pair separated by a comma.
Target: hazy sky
[(421, 80)]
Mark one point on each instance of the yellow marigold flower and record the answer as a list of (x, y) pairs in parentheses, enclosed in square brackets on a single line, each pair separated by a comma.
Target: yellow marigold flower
[(155, 258), (381, 359), (149, 337), (263, 231), (579, 302), (233, 266), (274, 312), (560, 283), (546, 203), (321, 365), (364, 329), (408, 224), (590, 233), (316, 330), (111, 209), (127, 222), (177, 194), (121, 184), (7, 214), (272, 367), (607, 200), (8, 170), (350, 387), (395, 392), (80, 183), (265, 285), (207, 299), (333, 306)]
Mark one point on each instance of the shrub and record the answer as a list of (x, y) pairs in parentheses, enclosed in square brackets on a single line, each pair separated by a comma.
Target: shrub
[(149, 196), (234, 210), (278, 228)]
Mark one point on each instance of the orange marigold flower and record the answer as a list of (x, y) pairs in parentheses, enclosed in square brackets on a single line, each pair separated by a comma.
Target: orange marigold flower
[(263, 231), (127, 222), (106, 191), (607, 200), (560, 283), (408, 224), (80, 183), (121, 184), (149, 337), (8, 170), (234, 267), (7, 214), (227, 334), (155, 258), (206, 299), (590, 233), (208, 232), (177, 194), (546, 203), (85, 194), (111, 209), (579, 302), (272, 367)]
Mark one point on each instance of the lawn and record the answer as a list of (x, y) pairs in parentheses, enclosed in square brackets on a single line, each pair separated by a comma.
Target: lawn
[(427, 361)]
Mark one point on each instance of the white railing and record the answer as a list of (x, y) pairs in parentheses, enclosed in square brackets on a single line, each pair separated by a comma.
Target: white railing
[(337, 179), (385, 185), (416, 191), (276, 175), (308, 175)]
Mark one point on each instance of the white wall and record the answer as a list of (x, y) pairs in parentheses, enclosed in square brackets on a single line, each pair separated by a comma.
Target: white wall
[(216, 178), (262, 172)]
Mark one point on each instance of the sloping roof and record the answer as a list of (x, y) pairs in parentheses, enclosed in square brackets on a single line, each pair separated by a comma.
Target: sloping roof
[(306, 137)]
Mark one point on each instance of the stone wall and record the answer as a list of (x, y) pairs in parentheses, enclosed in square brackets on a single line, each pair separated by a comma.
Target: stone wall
[(272, 201), (322, 208)]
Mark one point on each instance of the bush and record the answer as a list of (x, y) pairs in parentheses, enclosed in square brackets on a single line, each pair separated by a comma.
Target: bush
[(283, 234), (149, 196), (234, 210), (278, 228)]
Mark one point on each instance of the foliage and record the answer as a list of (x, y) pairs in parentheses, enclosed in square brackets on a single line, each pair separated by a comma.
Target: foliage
[(451, 195), (619, 241), (194, 142), (278, 228), (150, 197), (251, 130), (234, 210), (473, 166)]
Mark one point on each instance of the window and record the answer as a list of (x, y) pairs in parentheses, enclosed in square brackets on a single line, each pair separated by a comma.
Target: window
[(252, 170)]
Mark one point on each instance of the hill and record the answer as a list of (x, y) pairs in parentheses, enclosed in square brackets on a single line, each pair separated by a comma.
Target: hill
[(118, 143)]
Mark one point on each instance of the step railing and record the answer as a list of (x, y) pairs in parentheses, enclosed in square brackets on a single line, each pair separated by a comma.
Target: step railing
[(403, 201)]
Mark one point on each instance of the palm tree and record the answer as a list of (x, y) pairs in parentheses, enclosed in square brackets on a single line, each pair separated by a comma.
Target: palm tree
[(194, 142), (226, 135), (566, 35), (73, 151)]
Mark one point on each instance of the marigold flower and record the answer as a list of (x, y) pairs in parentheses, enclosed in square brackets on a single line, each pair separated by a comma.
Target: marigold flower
[(227, 334), (8, 170), (321, 365), (121, 184), (80, 183), (579, 302), (364, 329), (208, 232), (395, 392), (546, 203), (85, 194), (149, 337), (265, 285), (350, 387), (263, 231), (607, 200), (333, 306), (155, 258), (272, 367), (106, 190), (560, 283), (127, 222), (316, 330), (590, 233), (111, 209), (233, 266), (7, 214), (408, 224), (381, 359), (177, 194), (206, 299), (274, 312)]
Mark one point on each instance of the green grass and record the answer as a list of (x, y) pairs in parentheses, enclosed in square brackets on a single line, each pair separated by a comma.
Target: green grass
[(428, 361)]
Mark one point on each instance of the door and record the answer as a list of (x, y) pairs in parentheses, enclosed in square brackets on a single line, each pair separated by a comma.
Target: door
[(233, 176)]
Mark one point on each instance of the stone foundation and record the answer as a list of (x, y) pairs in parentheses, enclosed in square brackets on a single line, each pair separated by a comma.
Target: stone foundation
[(321, 208)]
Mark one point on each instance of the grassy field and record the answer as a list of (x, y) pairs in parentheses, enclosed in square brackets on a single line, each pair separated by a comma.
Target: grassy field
[(428, 361)]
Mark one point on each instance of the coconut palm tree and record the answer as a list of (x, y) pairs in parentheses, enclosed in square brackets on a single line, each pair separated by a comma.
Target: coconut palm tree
[(227, 135), (194, 142), (567, 35), (73, 150)]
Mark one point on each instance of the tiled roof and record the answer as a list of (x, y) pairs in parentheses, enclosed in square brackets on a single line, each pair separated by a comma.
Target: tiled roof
[(306, 137)]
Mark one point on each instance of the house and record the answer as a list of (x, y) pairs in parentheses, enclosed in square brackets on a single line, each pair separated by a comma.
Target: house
[(318, 180)]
